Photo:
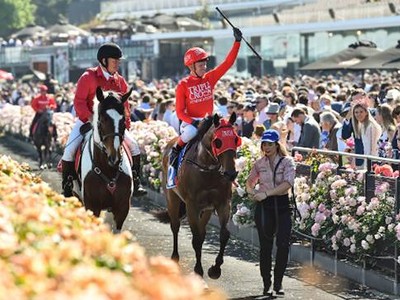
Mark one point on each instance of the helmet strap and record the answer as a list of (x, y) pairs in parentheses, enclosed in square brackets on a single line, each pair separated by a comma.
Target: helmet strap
[(105, 66), (194, 70)]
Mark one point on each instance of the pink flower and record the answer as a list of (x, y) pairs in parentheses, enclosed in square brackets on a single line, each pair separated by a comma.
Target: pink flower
[(360, 210), (350, 143), (298, 157), (315, 229)]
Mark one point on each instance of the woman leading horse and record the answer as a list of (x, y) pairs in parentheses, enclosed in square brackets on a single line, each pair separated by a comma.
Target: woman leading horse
[(204, 186)]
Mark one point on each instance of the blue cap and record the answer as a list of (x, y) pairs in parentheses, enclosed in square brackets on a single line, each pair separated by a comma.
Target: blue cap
[(270, 135)]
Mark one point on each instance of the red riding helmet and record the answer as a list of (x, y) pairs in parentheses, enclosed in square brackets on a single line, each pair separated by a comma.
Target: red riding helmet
[(193, 55)]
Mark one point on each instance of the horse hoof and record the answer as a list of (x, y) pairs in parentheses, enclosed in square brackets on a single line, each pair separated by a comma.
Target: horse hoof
[(214, 272)]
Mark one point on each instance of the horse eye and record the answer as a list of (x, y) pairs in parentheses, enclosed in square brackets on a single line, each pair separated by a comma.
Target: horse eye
[(218, 143)]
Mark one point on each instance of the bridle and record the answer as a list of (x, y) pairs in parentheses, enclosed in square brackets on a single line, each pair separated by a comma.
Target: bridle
[(216, 166)]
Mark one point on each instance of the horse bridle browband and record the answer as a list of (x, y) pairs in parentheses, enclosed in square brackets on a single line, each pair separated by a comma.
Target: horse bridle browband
[(217, 168)]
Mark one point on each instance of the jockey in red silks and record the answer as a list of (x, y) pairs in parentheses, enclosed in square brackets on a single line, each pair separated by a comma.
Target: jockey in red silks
[(106, 76), (195, 93), (39, 104)]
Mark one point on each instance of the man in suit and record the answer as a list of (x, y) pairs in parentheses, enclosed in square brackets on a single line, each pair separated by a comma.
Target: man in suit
[(310, 131)]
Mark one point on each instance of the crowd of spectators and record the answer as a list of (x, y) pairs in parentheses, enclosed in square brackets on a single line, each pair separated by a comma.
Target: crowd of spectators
[(340, 113)]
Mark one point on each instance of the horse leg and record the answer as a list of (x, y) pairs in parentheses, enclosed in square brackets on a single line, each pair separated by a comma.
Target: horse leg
[(214, 271), (173, 205), (198, 227), (120, 210)]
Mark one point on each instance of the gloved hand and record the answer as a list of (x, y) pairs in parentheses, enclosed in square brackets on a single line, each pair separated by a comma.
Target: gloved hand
[(85, 128), (260, 196), (195, 123), (237, 34)]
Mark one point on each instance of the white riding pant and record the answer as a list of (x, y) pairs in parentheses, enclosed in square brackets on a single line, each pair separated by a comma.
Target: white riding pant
[(188, 131), (75, 139)]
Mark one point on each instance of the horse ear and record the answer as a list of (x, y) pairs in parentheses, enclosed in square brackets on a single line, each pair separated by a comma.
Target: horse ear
[(99, 94), (126, 96), (216, 120), (232, 118)]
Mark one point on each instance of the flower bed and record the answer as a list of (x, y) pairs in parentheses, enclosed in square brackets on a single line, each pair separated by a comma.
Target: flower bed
[(52, 248)]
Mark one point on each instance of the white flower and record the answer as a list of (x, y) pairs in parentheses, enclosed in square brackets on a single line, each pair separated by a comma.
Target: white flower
[(364, 244), (240, 191), (353, 248), (388, 220), (346, 242), (370, 238)]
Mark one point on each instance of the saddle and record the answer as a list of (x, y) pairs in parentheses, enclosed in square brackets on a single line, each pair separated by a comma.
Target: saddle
[(172, 178)]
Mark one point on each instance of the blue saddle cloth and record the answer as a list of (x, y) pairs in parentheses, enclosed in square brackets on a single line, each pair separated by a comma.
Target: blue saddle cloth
[(172, 172)]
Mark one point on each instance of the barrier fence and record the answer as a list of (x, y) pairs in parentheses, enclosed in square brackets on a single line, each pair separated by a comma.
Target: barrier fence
[(386, 262)]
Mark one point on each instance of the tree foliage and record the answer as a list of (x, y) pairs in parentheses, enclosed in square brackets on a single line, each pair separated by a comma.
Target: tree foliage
[(49, 12), (14, 15)]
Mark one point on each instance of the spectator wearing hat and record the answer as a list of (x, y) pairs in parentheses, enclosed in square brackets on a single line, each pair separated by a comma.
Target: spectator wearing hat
[(274, 173), (249, 116), (39, 104), (272, 111), (310, 133), (392, 97)]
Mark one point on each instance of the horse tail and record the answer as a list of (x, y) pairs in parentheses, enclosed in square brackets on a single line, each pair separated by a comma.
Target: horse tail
[(163, 216)]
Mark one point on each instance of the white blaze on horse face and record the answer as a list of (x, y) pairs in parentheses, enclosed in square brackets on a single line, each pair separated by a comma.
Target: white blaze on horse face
[(116, 117)]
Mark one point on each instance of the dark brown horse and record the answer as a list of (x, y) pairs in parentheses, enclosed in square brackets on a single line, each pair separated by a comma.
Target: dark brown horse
[(204, 186), (106, 174), (42, 137)]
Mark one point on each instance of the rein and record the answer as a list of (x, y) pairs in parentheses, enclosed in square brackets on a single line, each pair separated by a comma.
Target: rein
[(111, 183)]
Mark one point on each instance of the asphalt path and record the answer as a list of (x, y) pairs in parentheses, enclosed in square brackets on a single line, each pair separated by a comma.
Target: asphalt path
[(240, 277)]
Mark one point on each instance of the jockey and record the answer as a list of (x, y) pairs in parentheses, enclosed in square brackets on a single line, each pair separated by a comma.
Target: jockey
[(39, 104), (106, 76), (194, 93)]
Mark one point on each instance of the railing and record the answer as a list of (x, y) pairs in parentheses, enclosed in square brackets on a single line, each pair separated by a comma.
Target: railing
[(370, 181), (22, 56)]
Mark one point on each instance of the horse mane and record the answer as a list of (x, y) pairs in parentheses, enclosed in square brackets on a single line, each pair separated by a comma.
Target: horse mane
[(204, 126)]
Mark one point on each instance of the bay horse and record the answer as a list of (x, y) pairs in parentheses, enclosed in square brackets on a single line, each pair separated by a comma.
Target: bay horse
[(204, 186), (43, 133), (105, 171)]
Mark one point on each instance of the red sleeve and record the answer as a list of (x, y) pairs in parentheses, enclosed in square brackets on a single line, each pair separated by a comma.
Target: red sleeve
[(221, 69), (81, 97), (180, 96), (34, 103)]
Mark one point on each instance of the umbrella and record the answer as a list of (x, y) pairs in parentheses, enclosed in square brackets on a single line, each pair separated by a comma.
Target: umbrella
[(65, 30), (110, 26), (188, 24), (388, 59), (162, 21), (346, 58), (31, 31), (6, 75)]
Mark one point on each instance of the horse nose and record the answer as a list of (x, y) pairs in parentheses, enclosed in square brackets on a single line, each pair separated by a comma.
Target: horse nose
[(231, 175)]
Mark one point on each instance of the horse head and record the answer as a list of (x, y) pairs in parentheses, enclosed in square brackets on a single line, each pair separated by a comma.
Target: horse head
[(223, 141), (109, 124)]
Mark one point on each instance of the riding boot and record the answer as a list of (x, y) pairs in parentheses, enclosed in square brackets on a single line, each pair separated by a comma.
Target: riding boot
[(138, 189), (68, 175), (173, 156)]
